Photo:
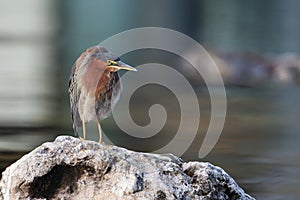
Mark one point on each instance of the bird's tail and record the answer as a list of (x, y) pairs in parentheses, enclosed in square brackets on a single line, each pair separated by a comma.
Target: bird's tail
[(75, 130)]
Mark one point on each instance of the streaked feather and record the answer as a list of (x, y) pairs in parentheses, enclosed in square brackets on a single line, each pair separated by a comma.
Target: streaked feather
[(74, 97)]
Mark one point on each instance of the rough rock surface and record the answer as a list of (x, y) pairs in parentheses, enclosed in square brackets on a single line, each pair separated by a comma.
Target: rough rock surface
[(69, 168)]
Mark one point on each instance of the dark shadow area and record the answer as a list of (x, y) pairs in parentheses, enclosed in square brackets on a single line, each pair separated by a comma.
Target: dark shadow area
[(60, 177)]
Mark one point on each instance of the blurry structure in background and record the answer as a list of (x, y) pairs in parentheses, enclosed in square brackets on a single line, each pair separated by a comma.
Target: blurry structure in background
[(255, 26), (245, 69), (28, 66), (237, 68)]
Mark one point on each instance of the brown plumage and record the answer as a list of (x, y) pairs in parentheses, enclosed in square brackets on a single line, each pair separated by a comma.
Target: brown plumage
[(94, 86)]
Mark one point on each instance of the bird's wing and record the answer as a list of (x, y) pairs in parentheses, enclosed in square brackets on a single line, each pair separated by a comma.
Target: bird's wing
[(74, 93)]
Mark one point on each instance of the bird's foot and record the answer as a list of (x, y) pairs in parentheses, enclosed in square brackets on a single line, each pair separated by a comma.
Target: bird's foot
[(100, 142), (81, 138), (109, 146), (103, 143)]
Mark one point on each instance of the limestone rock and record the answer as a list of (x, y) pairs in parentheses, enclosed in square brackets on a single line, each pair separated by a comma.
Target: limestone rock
[(69, 168)]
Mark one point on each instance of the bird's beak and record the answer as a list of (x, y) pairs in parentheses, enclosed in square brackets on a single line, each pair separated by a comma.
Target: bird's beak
[(122, 65)]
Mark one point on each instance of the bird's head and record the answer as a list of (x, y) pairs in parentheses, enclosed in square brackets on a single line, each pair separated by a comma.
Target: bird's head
[(98, 58)]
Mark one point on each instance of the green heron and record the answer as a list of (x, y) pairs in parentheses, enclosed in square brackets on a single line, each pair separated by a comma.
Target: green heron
[(94, 86)]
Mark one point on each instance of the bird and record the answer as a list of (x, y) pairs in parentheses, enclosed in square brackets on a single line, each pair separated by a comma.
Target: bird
[(94, 87)]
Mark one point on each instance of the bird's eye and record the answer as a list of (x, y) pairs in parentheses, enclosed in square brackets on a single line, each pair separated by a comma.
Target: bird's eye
[(111, 62)]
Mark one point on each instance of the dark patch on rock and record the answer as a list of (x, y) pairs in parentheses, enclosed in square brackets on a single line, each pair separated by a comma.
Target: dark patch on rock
[(139, 182), (160, 195), (60, 176)]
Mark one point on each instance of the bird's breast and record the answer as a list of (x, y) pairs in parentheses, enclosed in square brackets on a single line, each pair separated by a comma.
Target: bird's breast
[(86, 106), (88, 86), (91, 78), (107, 94)]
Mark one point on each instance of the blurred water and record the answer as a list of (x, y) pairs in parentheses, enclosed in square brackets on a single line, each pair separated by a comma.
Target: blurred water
[(259, 146)]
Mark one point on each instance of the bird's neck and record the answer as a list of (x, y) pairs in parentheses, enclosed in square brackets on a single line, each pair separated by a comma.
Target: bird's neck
[(107, 82)]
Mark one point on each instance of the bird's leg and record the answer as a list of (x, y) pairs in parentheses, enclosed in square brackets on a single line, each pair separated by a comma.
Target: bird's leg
[(100, 132), (83, 130)]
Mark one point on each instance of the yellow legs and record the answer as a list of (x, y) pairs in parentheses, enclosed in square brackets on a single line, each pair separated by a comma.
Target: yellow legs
[(84, 131), (100, 132)]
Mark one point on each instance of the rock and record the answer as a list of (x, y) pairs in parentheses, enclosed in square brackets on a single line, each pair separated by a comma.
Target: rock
[(288, 68), (69, 168), (237, 68)]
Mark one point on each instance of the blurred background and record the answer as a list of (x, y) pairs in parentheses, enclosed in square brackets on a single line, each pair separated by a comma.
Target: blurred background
[(254, 43)]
